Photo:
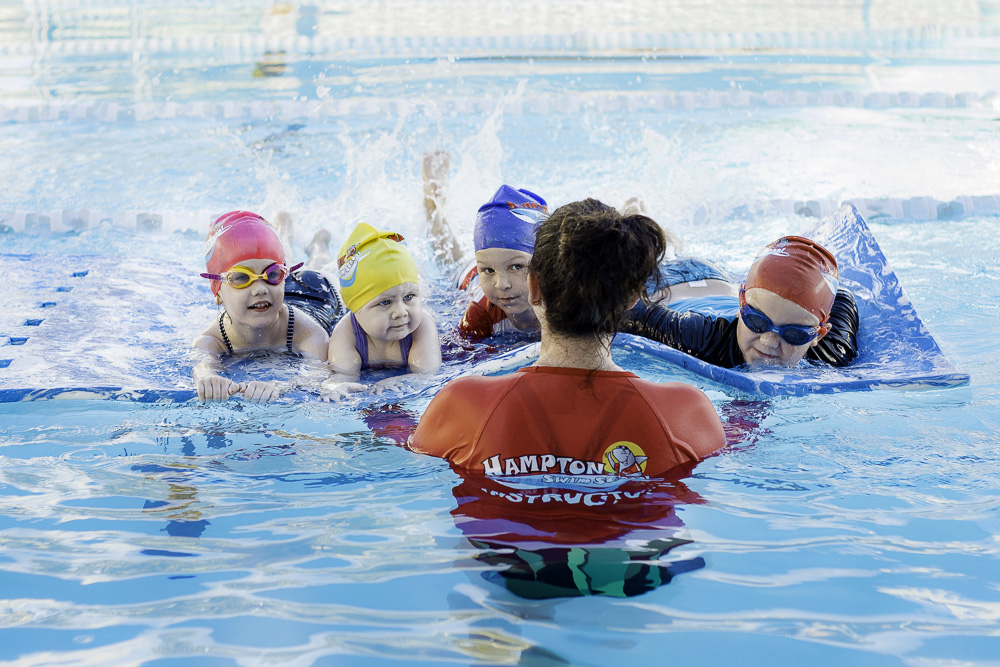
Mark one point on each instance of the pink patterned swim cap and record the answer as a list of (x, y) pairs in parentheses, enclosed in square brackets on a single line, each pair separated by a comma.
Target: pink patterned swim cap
[(236, 237)]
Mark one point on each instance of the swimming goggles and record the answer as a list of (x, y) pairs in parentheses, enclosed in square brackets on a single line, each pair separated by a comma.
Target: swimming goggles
[(353, 250), (793, 334), (241, 277)]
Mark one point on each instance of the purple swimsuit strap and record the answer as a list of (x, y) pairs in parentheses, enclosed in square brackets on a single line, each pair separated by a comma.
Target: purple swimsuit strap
[(361, 344), (360, 341), (404, 348)]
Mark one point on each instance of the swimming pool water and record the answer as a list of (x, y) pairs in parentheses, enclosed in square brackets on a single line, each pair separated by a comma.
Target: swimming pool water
[(856, 529)]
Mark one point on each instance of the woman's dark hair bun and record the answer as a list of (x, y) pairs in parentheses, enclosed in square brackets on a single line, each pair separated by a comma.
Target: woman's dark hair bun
[(592, 263)]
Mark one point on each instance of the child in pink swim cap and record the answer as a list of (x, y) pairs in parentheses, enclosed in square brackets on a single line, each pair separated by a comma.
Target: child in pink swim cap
[(245, 261)]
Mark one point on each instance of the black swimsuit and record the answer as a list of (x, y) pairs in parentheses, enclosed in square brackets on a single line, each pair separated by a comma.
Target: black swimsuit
[(289, 333), (310, 292), (713, 339)]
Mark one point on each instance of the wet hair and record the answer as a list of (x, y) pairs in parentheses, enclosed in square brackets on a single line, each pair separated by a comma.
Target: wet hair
[(591, 263)]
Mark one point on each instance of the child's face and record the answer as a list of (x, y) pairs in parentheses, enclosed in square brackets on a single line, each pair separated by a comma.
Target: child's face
[(392, 315), (769, 348), (258, 305), (503, 275)]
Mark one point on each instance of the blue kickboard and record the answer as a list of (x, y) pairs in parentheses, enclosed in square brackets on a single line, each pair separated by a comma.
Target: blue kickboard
[(89, 327), (896, 349), (95, 327)]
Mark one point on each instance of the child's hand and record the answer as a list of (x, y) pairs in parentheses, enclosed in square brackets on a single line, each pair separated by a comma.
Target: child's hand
[(216, 388), (333, 390), (395, 384), (259, 392)]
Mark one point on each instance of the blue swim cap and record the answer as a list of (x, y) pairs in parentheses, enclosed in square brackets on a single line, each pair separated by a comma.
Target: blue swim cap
[(509, 220)]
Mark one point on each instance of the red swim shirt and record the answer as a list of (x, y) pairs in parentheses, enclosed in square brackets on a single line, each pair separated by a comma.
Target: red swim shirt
[(568, 426), (482, 319)]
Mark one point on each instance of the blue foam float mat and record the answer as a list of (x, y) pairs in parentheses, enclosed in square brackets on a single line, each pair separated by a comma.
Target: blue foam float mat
[(895, 348), (89, 327), (95, 327)]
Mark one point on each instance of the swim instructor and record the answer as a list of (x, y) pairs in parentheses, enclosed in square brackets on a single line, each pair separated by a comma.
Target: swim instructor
[(575, 417)]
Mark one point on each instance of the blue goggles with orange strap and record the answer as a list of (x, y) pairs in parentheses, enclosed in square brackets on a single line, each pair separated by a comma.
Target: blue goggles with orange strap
[(793, 334)]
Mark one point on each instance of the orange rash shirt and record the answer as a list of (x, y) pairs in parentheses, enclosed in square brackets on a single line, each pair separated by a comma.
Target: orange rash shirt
[(547, 425)]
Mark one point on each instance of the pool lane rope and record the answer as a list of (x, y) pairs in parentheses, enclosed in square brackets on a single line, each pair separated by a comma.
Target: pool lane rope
[(549, 104), (365, 38), (894, 208)]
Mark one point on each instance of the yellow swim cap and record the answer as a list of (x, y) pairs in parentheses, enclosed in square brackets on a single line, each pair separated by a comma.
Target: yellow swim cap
[(370, 262)]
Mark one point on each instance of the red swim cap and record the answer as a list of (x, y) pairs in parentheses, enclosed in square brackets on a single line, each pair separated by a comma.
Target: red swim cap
[(236, 237), (800, 270)]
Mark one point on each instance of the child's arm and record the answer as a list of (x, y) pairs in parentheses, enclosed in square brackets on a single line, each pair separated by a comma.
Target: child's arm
[(345, 361), (211, 386), (425, 352), (342, 355), (435, 172), (311, 339)]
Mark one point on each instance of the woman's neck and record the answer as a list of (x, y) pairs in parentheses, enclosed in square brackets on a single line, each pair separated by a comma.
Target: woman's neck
[(576, 352)]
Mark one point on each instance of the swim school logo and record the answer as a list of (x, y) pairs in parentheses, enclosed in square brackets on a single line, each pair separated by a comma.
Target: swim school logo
[(541, 463), (348, 271), (212, 238), (625, 459), (622, 459)]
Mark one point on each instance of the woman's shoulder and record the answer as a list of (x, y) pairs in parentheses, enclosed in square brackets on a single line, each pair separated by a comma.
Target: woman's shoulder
[(470, 397), (689, 413), (681, 394), (481, 385)]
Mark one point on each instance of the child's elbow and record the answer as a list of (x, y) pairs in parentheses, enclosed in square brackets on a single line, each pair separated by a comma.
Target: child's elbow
[(425, 367)]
